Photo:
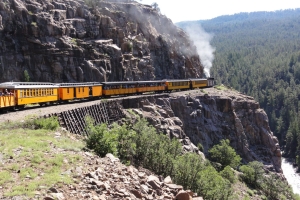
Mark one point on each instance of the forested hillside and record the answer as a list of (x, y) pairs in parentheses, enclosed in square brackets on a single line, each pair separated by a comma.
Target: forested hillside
[(259, 54)]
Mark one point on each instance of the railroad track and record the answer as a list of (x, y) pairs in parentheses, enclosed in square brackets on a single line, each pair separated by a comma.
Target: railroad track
[(74, 120)]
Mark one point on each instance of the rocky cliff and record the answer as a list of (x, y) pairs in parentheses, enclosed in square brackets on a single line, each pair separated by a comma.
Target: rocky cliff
[(76, 40), (210, 115)]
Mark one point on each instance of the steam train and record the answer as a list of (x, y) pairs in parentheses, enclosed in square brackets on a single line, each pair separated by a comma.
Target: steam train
[(15, 95)]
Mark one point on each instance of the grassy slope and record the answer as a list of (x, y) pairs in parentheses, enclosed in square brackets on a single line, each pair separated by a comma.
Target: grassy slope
[(33, 160)]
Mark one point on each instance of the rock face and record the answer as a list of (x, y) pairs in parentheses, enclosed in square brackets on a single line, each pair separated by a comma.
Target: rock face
[(107, 178), (68, 41), (209, 115)]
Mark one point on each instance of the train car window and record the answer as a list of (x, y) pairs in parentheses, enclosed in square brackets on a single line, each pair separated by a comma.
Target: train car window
[(83, 89), (68, 90), (21, 93)]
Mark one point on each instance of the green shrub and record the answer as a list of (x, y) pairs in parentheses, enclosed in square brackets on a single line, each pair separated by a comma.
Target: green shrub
[(187, 169), (118, 140), (125, 142), (200, 147), (102, 141), (263, 197), (26, 76), (154, 151), (210, 185), (229, 174), (223, 153), (250, 192), (34, 122), (248, 174), (253, 173)]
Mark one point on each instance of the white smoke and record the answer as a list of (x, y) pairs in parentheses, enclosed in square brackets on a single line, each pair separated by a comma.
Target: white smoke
[(202, 42)]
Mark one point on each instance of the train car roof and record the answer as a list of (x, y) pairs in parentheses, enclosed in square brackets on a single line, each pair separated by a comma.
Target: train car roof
[(78, 84), (155, 81), (120, 83), (197, 79), (27, 85), (171, 80)]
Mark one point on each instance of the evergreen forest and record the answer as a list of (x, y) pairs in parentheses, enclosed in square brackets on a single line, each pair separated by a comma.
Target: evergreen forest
[(259, 54)]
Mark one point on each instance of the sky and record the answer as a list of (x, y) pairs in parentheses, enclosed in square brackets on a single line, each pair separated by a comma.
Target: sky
[(189, 10)]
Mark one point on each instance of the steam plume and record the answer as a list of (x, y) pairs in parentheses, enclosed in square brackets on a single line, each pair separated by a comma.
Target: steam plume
[(202, 42)]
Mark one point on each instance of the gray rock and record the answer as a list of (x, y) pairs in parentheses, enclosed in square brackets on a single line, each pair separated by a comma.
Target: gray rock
[(68, 34)]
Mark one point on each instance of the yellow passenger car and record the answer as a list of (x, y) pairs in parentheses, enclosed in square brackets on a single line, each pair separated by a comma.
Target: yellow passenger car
[(96, 89), (198, 83), (178, 84), (70, 91), (7, 97), (150, 86), (30, 92), (118, 88)]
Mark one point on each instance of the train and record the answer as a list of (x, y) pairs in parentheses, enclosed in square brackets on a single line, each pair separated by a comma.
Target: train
[(16, 95)]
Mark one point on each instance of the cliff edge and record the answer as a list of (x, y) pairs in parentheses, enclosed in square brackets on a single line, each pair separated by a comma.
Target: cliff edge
[(210, 115)]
